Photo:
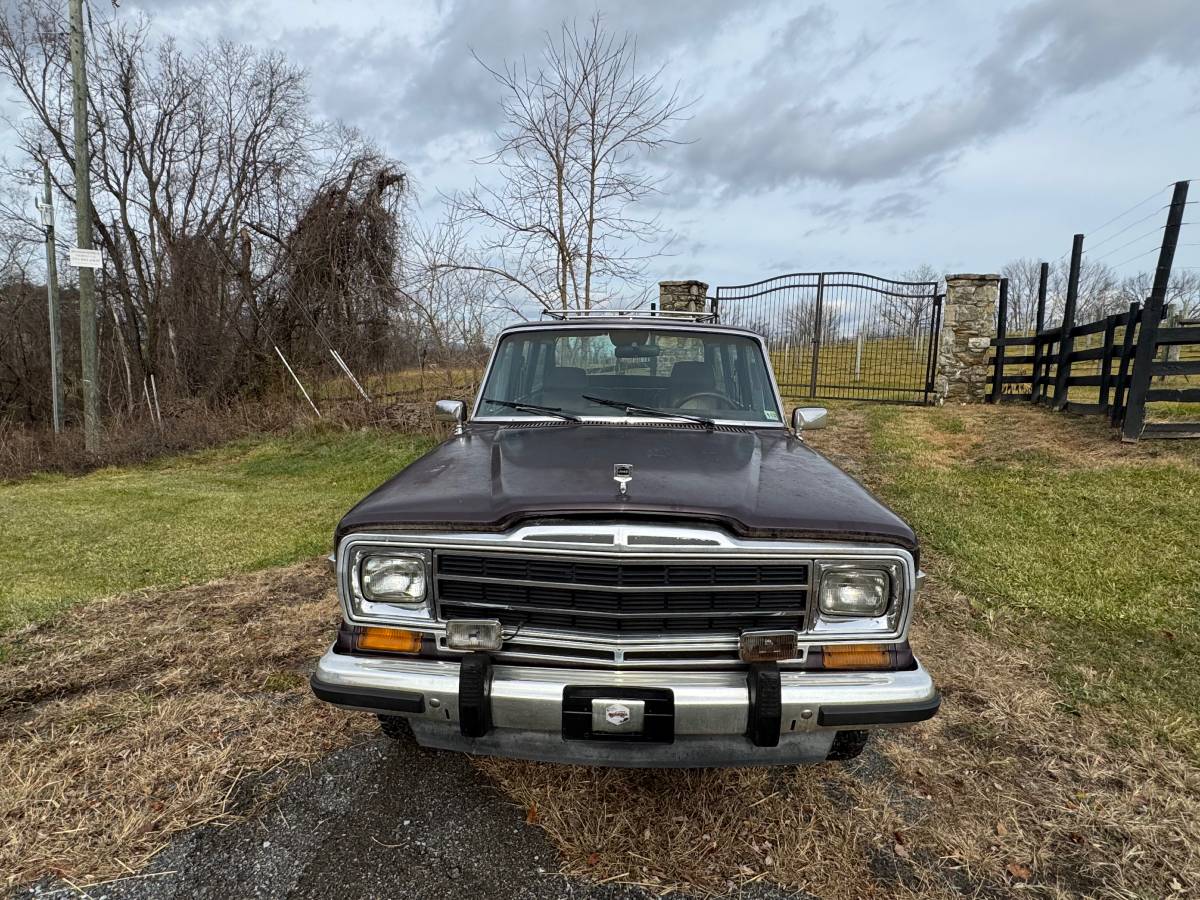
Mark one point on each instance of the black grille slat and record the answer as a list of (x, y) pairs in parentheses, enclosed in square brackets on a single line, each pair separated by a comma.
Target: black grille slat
[(624, 597)]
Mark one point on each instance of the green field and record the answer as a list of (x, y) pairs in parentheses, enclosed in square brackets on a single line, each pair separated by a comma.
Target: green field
[(244, 506), (884, 369), (1074, 539)]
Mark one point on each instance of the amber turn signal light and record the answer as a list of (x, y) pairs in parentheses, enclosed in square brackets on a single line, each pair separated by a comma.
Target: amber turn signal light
[(857, 656), (390, 640)]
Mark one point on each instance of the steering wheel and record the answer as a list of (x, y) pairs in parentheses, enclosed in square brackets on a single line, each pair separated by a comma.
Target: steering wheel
[(714, 395)]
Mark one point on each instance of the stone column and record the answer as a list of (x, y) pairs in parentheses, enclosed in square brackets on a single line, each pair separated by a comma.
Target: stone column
[(682, 296), (968, 328)]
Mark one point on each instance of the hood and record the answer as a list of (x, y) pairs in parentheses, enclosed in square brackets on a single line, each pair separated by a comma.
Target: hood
[(756, 483)]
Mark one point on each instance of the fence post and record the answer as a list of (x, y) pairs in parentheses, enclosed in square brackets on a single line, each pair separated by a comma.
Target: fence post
[(1063, 370), (858, 349), (1001, 334), (1131, 320), (1043, 277), (1037, 386), (1110, 336), (1139, 382), (816, 341)]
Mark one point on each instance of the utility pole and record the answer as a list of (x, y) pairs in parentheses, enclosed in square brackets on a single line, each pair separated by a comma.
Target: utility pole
[(83, 226), (56, 388)]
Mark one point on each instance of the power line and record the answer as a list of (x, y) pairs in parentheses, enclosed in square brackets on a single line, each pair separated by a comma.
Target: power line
[(1117, 234), (1130, 243), (1126, 212), (1151, 250), (1139, 256), (1122, 215)]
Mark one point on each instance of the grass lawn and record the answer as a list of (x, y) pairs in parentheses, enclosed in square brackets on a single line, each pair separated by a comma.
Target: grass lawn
[(1061, 571), (244, 506), (1047, 521)]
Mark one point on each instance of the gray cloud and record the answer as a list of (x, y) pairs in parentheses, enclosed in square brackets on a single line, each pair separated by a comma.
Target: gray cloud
[(825, 134), (787, 130)]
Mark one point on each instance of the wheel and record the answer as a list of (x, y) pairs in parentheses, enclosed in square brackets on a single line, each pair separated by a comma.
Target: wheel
[(847, 745), (395, 727)]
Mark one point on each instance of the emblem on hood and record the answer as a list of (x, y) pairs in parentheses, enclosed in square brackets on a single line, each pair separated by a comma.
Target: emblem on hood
[(622, 475)]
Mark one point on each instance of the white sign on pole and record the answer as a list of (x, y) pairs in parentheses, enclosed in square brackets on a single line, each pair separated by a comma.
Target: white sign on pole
[(85, 259)]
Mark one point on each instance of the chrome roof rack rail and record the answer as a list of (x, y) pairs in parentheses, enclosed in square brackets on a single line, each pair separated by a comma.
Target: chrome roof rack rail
[(566, 315)]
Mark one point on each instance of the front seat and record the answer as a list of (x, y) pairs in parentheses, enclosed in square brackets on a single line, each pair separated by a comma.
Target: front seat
[(563, 385), (690, 377)]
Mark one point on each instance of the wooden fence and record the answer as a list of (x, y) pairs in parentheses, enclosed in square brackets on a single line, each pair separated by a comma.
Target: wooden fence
[(1129, 358)]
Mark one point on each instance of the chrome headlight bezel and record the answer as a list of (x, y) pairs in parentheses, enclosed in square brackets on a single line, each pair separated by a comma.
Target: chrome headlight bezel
[(363, 606), (888, 620)]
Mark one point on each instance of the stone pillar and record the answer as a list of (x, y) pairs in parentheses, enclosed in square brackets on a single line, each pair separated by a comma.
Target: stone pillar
[(682, 296), (968, 328)]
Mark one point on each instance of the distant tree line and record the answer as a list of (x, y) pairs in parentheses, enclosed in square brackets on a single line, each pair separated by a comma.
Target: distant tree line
[(1102, 291), (234, 224), (237, 226)]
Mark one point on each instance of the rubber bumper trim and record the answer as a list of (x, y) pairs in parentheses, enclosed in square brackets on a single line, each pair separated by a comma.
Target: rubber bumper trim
[(879, 713), (766, 704), (475, 694), (372, 698)]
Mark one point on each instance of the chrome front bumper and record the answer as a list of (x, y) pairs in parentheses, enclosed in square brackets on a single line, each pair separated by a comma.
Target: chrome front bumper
[(712, 715)]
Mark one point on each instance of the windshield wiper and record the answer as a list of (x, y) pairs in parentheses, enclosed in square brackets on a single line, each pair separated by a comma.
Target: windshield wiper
[(651, 411), (534, 407)]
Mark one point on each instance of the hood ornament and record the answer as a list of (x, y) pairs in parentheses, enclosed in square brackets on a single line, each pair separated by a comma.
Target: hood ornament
[(622, 475)]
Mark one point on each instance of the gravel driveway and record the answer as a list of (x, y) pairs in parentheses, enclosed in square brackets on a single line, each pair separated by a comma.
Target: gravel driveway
[(381, 819)]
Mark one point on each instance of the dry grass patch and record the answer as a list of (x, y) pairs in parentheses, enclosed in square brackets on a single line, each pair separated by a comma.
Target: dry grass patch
[(130, 719), (1013, 432), (1002, 790)]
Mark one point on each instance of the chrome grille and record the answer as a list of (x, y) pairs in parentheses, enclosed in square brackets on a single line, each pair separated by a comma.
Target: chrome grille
[(625, 598)]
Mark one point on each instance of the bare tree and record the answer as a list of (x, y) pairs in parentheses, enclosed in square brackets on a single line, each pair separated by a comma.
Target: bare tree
[(1183, 291), (1101, 292), (448, 309), (1024, 277), (190, 152), (908, 309), (561, 226)]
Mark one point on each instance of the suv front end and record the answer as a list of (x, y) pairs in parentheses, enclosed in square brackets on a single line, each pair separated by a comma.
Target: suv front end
[(628, 643)]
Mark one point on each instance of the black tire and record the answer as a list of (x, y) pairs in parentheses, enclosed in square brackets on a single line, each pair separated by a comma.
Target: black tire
[(395, 727), (847, 745)]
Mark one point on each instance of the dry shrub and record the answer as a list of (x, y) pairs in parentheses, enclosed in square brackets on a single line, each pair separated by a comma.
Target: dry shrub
[(130, 719), (25, 451)]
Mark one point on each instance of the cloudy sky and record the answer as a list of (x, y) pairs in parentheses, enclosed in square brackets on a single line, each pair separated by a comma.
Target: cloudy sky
[(869, 135)]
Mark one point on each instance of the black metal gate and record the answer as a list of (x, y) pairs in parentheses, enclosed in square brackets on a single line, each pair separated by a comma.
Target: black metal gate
[(843, 335)]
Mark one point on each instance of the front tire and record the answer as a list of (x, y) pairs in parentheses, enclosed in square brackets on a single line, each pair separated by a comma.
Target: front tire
[(847, 745), (395, 727)]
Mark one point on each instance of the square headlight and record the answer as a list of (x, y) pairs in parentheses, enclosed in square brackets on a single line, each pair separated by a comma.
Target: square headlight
[(399, 580), (855, 592)]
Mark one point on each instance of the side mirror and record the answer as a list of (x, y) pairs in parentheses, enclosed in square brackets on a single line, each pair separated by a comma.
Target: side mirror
[(451, 411), (808, 417)]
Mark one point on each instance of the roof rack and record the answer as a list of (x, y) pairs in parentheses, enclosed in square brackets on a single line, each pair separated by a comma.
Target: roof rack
[(563, 315)]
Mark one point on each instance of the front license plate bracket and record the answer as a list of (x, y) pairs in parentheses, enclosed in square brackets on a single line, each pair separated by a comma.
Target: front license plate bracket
[(584, 718)]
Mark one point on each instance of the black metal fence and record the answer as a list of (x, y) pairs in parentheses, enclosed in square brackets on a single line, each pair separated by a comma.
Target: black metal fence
[(1128, 358), (843, 335)]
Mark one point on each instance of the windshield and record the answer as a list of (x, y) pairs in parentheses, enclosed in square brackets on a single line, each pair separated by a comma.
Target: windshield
[(701, 374)]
